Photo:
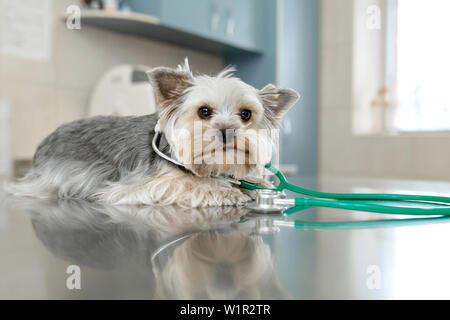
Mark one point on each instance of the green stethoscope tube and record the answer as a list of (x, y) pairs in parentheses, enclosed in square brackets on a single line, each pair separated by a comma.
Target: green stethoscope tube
[(362, 205), (359, 201), (371, 224)]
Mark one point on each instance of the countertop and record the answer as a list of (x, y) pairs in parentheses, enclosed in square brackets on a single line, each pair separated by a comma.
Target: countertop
[(72, 249)]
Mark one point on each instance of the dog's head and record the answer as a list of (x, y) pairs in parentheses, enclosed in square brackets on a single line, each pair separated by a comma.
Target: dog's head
[(218, 124)]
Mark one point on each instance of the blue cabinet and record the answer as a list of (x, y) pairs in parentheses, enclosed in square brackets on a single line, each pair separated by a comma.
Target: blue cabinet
[(241, 19), (197, 16), (231, 22)]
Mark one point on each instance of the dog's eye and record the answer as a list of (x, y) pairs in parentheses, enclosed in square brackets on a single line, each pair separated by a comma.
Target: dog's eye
[(246, 115), (204, 112)]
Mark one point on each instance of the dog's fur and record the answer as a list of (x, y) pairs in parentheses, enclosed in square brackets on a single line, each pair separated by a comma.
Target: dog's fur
[(110, 158)]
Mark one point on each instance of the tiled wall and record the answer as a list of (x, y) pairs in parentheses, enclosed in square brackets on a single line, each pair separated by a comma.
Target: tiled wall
[(341, 152), (43, 95)]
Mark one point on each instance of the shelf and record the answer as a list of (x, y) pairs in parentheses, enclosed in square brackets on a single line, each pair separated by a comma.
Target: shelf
[(147, 26)]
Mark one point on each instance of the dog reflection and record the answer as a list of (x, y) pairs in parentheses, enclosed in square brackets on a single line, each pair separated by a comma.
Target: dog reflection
[(87, 232), (220, 265), (215, 261)]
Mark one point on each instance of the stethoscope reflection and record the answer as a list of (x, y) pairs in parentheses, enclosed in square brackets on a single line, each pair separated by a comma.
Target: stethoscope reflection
[(272, 222)]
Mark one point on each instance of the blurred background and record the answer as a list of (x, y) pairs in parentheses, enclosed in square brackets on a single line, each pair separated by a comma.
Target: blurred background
[(373, 74)]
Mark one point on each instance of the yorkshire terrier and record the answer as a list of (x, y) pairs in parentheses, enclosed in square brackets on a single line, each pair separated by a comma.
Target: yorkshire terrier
[(215, 126)]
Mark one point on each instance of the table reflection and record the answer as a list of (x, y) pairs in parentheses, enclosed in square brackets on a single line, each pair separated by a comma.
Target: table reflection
[(222, 253), (186, 253)]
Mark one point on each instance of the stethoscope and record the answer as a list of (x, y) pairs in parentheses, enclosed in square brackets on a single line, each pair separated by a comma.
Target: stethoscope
[(271, 200)]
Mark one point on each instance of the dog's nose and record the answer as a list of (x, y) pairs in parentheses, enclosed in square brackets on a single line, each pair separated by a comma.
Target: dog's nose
[(227, 135)]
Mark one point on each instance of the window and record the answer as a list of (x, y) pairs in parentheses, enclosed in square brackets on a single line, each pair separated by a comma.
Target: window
[(422, 63), (401, 69)]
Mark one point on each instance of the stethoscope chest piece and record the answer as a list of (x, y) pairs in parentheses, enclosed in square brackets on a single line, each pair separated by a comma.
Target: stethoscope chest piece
[(267, 202)]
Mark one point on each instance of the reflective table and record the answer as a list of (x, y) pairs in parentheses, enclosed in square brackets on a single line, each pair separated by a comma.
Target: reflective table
[(72, 249)]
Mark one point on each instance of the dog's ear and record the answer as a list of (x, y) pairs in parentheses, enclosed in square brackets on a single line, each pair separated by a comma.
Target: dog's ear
[(168, 84), (278, 101)]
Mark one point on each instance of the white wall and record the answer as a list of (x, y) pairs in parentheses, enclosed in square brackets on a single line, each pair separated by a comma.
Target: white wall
[(343, 153), (43, 95), (5, 158)]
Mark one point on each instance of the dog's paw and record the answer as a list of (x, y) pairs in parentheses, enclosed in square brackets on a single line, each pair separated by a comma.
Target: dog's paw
[(227, 197), (235, 197), (213, 197)]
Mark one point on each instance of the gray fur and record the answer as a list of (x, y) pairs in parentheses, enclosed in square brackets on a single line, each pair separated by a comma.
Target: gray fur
[(119, 143), (81, 157)]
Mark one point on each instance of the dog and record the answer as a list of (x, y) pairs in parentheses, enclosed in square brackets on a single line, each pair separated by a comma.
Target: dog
[(215, 126)]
